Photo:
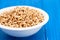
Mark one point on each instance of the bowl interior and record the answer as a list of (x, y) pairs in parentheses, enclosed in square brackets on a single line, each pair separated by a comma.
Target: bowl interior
[(46, 18)]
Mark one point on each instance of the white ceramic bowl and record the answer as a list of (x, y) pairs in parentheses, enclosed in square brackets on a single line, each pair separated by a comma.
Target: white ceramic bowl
[(24, 32)]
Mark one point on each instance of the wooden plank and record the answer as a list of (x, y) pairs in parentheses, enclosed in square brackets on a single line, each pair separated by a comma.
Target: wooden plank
[(52, 28)]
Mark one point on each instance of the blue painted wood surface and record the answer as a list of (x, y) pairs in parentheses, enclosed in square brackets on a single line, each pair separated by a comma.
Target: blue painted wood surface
[(50, 31), (53, 26)]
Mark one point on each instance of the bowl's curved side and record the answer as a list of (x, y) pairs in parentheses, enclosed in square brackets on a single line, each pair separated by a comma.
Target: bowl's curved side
[(21, 33)]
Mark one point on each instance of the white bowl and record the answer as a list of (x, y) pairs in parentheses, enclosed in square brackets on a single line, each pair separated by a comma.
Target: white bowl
[(24, 32)]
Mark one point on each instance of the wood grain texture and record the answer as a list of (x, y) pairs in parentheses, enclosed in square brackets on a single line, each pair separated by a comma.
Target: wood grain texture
[(53, 26)]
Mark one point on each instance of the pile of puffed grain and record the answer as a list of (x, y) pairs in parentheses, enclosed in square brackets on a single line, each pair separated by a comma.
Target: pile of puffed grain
[(20, 17)]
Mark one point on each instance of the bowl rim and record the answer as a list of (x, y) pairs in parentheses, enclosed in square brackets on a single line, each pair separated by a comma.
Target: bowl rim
[(27, 28)]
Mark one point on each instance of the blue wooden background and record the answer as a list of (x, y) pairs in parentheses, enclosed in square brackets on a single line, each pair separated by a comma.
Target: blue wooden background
[(50, 31)]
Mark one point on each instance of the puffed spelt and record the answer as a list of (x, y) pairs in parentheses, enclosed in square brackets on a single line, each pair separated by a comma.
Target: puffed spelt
[(20, 17)]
